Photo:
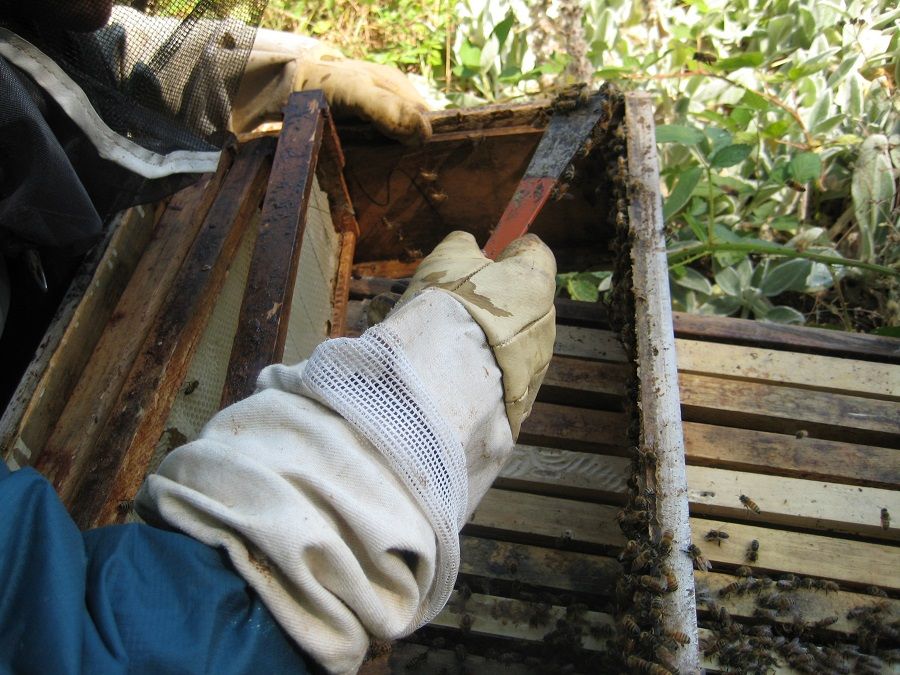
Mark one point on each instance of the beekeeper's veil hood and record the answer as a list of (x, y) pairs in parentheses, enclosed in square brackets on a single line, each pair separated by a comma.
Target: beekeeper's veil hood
[(105, 106)]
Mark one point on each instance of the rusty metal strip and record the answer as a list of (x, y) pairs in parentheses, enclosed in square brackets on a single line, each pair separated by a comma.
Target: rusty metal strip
[(263, 321), (126, 445), (659, 398)]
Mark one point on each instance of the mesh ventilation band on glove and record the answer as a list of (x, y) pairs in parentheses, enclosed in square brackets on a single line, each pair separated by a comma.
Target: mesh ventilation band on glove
[(370, 382)]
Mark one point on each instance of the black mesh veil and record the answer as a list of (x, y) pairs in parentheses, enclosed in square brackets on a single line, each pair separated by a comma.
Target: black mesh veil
[(160, 73)]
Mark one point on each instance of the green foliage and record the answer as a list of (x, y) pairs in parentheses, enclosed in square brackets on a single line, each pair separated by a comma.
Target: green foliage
[(778, 125)]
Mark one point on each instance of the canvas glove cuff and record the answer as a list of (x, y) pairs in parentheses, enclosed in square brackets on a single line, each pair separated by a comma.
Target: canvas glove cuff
[(511, 299)]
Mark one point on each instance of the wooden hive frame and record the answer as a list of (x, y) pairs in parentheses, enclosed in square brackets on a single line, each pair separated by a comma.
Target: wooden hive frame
[(803, 421)]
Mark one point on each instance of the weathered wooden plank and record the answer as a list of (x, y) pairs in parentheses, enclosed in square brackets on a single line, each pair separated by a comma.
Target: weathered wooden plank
[(724, 447), (582, 574), (67, 344), (754, 405), (565, 522), (87, 410), (265, 311), (808, 371), (712, 492), (788, 455), (539, 566), (492, 615), (749, 364), (811, 605), (581, 428), (573, 475), (750, 405), (793, 338), (793, 502), (588, 343), (119, 460)]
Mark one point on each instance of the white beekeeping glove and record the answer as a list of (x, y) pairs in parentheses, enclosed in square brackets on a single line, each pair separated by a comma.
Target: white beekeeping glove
[(340, 487), (281, 63), (512, 301)]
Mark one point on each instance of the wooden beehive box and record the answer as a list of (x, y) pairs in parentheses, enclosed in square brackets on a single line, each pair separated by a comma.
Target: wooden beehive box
[(287, 245)]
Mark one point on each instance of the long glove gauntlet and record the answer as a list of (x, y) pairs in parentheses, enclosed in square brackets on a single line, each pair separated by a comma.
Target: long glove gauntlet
[(339, 488)]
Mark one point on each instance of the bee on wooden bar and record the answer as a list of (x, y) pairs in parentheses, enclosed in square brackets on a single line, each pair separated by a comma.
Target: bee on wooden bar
[(825, 622), (765, 613), (788, 582), (465, 623), (631, 550), (744, 571), (749, 504), (885, 518), (753, 551), (655, 584), (646, 456), (679, 637), (827, 586), (438, 196), (643, 560), (191, 387), (671, 581), (717, 536), (734, 587), (630, 625), (665, 656), (125, 506), (637, 664), (665, 542), (696, 555)]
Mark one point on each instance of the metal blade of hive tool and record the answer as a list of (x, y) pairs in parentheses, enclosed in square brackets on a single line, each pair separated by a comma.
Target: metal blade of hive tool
[(563, 138)]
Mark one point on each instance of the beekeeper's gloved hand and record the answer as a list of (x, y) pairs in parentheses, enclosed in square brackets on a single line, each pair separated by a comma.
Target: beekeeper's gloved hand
[(281, 63), (512, 301), (339, 488)]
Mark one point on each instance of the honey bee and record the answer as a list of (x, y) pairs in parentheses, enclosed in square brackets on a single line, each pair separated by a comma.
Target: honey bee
[(696, 555), (794, 185), (885, 518), (764, 613), (679, 637), (465, 623), (427, 175), (671, 580), (125, 506), (665, 542), (642, 561), (825, 622), (637, 664), (191, 387), (438, 196), (704, 57), (827, 586), (630, 551), (629, 624), (647, 456), (749, 504), (717, 536), (655, 584), (744, 571), (733, 587), (664, 656)]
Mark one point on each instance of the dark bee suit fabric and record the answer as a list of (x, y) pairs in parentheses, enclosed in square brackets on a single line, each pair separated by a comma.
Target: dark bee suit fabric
[(122, 599)]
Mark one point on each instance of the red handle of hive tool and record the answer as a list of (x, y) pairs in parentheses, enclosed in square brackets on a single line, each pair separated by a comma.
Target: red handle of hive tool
[(563, 138), (528, 200)]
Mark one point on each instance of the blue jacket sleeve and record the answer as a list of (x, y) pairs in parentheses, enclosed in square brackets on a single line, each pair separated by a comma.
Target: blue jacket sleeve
[(122, 599)]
